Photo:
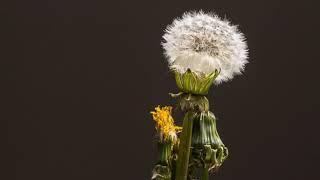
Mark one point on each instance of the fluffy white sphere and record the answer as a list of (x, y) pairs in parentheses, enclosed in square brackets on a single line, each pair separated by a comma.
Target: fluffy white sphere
[(204, 43)]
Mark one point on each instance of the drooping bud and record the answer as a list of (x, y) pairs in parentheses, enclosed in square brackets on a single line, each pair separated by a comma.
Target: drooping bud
[(208, 150)]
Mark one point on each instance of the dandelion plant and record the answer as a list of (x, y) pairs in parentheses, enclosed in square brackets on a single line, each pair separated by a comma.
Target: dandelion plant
[(201, 49)]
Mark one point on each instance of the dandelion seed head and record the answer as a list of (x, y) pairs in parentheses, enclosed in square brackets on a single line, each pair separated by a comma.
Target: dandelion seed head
[(203, 43)]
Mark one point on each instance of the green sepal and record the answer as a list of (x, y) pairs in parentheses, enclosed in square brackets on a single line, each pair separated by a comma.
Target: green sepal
[(195, 83), (165, 151)]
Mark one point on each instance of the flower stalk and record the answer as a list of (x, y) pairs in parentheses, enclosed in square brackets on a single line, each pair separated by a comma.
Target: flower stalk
[(184, 147), (205, 173)]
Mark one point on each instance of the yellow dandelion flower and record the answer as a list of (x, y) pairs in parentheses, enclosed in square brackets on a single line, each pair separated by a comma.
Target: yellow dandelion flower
[(165, 123)]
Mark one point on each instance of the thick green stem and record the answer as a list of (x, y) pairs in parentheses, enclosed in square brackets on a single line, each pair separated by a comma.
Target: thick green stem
[(184, 147), (205, 173)]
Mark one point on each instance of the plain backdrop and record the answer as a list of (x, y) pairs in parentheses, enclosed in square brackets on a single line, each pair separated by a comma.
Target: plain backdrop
[(79, 78)]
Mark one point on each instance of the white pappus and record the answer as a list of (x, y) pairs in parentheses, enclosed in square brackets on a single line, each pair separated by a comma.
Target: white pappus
[(203, 43)]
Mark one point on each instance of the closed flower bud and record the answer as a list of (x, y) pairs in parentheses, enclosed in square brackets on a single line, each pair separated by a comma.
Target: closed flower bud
[(208, 149)]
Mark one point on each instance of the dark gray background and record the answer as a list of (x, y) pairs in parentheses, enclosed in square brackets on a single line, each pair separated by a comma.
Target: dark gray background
[(78, 79)]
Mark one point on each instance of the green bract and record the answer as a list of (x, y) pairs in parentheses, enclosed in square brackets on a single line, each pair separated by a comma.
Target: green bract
[(208, 151), (166, 159), (194, 83)]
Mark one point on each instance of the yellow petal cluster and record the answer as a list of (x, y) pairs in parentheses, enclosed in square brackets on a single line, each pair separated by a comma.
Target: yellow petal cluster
[(165, 123)]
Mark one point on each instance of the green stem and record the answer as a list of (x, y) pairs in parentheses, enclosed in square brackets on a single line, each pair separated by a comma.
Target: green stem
[(205, 173), (184, 147)]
